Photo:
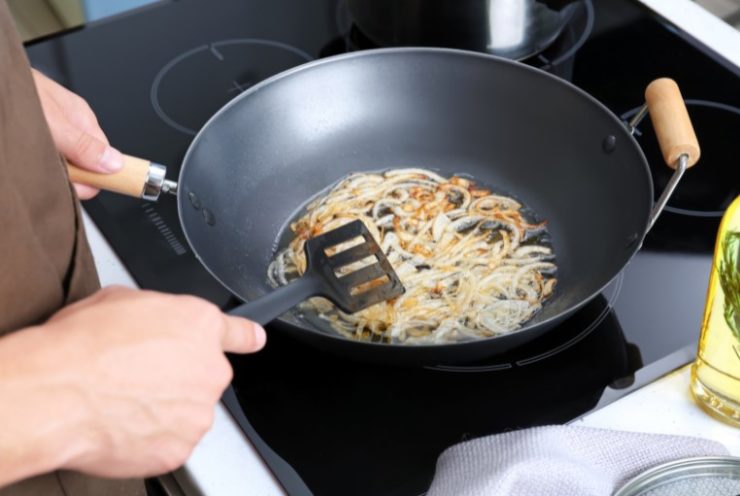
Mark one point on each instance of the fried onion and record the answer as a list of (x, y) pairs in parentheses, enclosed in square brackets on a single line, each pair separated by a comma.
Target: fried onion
[(472, 264)]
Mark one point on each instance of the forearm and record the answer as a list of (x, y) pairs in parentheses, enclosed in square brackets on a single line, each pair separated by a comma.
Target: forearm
[(41, 417)]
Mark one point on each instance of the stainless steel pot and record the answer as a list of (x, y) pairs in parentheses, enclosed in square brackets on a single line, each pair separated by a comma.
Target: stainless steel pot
[(515, 29)]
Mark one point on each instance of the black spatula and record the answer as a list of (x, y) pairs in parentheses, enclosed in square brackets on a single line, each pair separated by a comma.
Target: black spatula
[(333, 277)]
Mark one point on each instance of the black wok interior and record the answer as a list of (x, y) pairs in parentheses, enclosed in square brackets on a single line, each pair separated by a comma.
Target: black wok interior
[(509, 126)]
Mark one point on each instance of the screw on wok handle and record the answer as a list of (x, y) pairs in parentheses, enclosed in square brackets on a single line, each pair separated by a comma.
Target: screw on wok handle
[(139, 178), (671, 122)]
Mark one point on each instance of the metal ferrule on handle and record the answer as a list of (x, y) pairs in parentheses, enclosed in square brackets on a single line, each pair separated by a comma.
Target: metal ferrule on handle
[(157, 183), (676, 136)]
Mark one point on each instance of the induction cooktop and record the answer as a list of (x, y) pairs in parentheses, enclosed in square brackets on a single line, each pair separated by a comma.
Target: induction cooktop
[(155, 75)]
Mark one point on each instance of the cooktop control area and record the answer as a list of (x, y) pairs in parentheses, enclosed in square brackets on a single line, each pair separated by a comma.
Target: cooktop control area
[(355, 428)]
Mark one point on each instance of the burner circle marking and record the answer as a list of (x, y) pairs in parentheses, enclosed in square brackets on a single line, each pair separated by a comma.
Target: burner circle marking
[(232, 88), (689, 103), (542, 61)]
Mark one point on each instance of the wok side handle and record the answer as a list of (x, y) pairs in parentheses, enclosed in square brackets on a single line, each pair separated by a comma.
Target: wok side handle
[(675, 134), (671, 122), (139, 178), (272, 305)]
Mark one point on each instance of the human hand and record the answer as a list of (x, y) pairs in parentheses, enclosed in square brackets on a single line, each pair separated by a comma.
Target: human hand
[(145, 371), (76, 131)]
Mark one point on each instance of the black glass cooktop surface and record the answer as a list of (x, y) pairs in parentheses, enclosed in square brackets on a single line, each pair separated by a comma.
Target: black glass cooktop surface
[(155, 75)]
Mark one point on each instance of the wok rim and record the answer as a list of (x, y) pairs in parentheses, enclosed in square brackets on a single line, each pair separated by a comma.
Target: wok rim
[(550, 321)]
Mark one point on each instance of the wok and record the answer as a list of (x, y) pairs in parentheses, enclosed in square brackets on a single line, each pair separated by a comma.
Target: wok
[(511, 127)]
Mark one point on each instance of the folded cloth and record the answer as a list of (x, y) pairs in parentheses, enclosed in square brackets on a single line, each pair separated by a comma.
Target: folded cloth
[(558, 460)]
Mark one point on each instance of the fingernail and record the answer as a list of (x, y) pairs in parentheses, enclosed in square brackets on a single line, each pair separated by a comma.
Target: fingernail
[(112, 160), (260, 337)]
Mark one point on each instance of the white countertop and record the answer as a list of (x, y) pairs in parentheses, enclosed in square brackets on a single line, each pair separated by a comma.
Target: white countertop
[(664, 407), (225, 463), (702, 25)]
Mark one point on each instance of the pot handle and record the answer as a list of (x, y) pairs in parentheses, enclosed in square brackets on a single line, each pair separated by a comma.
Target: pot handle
[(139, 178), (676, 136)]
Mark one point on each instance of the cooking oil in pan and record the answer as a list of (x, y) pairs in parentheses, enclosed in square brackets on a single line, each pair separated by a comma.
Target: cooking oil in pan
[(715, 375)]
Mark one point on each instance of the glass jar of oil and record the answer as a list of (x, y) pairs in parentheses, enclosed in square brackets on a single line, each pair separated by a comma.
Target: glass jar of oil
[(715, 375)]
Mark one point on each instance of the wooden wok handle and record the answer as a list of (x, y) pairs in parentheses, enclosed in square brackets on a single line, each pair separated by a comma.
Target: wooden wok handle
[(671, 122), (139, 178)]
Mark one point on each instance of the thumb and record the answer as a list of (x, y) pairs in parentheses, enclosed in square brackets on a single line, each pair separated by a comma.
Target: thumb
[(241, 336), (88, 152)]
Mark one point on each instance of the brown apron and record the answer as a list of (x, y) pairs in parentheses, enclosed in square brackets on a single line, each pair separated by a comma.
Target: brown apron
[(45, 261)]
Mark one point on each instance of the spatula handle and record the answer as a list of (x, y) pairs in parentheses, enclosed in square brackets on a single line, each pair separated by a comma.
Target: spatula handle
[(274, 304)]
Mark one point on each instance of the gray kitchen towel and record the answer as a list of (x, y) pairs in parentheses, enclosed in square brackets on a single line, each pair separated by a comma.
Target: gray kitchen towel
[(558, 460)]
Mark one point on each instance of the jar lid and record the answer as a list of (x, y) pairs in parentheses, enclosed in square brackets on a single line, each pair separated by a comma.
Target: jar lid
[(716, 475)]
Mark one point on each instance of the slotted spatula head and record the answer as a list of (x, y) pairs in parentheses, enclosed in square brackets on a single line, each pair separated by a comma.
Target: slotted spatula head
[(356, 272)]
